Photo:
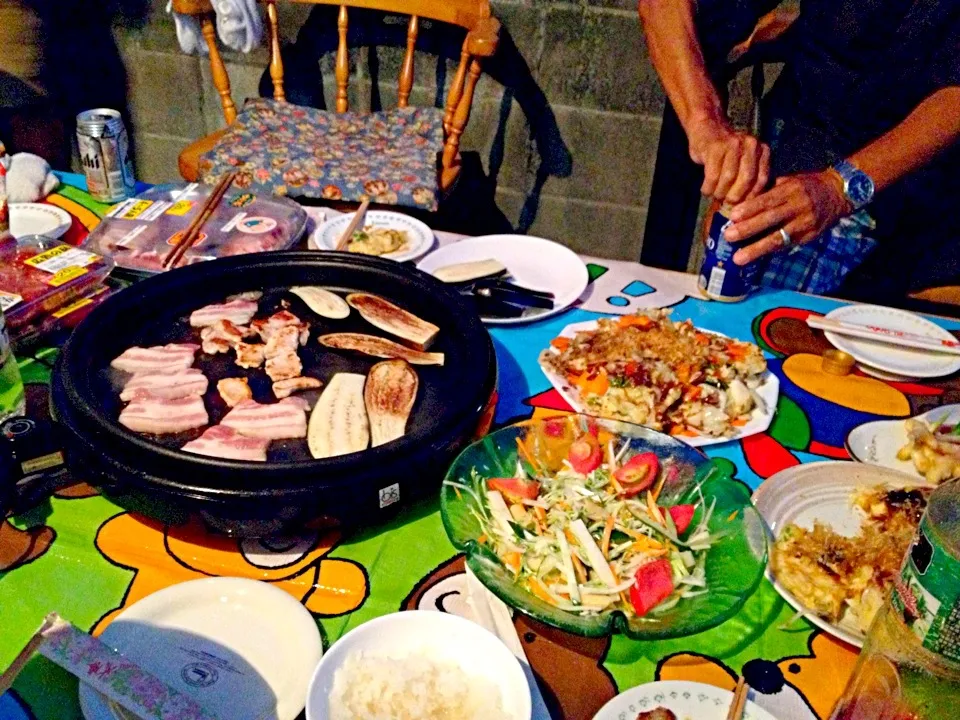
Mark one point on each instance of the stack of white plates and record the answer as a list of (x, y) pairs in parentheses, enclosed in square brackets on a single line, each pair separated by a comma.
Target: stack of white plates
[(886, 361)]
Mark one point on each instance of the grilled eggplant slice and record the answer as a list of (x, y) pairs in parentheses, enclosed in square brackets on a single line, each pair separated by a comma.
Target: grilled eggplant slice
[(379, 347), (390, 318), (389, 396), (470, 271), (338, 424), (323, 302)]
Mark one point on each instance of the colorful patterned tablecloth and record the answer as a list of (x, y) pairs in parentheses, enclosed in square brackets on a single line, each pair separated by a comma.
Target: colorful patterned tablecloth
[(84, 557)]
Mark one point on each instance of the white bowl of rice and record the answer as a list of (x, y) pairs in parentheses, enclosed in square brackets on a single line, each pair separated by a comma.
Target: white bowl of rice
[(419, 665)]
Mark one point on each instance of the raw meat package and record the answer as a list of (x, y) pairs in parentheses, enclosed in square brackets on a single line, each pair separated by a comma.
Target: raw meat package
[(39, 276), (63, 319), (139, 233)]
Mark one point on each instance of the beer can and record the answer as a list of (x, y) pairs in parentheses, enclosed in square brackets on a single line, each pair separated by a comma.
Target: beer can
[(105, 154), (721, 279)]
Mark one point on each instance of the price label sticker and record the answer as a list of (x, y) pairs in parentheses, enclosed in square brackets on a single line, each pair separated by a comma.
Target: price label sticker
[(60, 258), (180, 207), (62, 277), (9, 300)]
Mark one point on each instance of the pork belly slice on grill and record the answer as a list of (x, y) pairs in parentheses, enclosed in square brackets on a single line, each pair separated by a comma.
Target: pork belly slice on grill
[(224, 442), (268, 327), (278, 421), (249, 355), (286, 388), (174, 384), (234, 390), (239, 312), (222, 336), (175, 356), (284, 367), (149, 413)]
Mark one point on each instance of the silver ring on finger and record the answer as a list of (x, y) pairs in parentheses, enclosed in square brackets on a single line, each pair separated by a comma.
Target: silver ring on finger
[(785, 239)]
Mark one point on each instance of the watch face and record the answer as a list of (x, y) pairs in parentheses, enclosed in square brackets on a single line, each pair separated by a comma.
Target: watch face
[(860, 188)]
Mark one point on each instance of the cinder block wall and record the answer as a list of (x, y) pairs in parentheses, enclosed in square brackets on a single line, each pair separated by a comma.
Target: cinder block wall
[(588, 57)]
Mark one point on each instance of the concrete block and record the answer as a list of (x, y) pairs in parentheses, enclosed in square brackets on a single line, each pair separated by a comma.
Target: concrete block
[(165, 94), (601, 229), (156, 157), (613, 155), (598, 59)]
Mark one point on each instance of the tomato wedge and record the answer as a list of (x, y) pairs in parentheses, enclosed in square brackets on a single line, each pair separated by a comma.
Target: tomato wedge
[(682, 516), (653, 583), (585, 455), (638, 474), (515, 489)]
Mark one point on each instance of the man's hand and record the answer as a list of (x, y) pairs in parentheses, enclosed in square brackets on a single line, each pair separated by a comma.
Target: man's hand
[(804, 205), (736, 165)]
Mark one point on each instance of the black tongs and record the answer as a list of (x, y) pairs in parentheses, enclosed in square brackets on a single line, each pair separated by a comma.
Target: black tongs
[(503, 291)]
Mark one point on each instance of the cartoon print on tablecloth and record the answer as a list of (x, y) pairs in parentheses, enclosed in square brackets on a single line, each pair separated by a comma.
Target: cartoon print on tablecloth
[(621, 288), (792, 688), (837, 405), (161, 556), (13, 708), (20, 546), (569, 668)]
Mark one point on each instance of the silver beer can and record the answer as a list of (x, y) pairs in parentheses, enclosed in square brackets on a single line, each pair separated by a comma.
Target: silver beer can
[(105, 155)]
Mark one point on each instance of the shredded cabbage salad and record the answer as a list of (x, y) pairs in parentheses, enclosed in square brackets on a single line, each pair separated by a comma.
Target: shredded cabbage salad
[(591, 536)]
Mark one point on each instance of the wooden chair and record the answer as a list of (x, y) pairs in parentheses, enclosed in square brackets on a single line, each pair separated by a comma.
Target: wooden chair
[(480, 42)]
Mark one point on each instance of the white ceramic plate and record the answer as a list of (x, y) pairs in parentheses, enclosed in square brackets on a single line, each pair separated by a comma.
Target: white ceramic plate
[(419, 237), (877, 442), (822, 491), (886, 357), (242, 648), (687, 700), (533, 262), (38, 219), (441, 637), (759, 421)]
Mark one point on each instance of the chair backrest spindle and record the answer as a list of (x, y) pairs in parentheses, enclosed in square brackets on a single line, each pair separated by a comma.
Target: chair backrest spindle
[(405, 84), (276, 62), (221, 79), (456, 88), (342, 69)]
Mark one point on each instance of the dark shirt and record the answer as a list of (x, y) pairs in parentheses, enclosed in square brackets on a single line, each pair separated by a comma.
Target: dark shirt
[(854, 69)]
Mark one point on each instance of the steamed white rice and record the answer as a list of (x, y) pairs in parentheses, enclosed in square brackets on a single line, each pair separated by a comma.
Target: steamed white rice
[(374, 687)]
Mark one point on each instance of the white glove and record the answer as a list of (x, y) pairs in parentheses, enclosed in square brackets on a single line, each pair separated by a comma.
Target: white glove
[(238, 24), (29, 178)]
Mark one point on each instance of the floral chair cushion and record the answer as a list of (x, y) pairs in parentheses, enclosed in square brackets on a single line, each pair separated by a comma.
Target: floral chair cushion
[(276, 147)]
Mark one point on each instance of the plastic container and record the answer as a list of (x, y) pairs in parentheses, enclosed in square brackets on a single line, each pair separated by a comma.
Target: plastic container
[(140, 232), (47, 328), (39, 275)]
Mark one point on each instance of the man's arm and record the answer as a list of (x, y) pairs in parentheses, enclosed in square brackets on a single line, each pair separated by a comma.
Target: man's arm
[(736, 165), (807, 204)]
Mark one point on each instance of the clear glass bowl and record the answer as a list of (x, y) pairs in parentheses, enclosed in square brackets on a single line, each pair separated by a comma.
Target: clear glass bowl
[(734, 565)]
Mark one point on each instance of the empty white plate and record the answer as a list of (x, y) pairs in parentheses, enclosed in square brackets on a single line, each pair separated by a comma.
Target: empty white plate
[(685, 699), (38, 219), (532, 262), (887, 357), (241, 648), (822, 491), (419, 237)]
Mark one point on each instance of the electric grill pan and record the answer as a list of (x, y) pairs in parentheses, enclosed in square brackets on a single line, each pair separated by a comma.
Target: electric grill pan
[(149, 474)]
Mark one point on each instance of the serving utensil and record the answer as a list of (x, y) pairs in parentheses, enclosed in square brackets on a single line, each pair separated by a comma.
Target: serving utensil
[(355, 223), (193, 229), (889, 336), (739, 703)]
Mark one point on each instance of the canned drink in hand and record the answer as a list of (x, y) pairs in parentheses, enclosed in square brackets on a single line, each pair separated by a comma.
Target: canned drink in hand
[(105, 155), (720, 278)]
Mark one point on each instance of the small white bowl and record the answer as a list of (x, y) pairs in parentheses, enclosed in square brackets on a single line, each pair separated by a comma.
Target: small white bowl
[(439, 636)]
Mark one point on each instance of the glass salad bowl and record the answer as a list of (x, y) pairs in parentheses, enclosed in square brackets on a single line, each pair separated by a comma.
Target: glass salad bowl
[(666, 545)]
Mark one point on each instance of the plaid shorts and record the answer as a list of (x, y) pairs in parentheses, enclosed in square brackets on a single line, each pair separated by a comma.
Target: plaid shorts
[(818, 267)]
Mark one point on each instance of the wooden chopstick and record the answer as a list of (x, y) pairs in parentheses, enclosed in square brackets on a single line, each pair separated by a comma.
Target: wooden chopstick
[(739, 703), (193, 229), (354, 224), (896, 338)]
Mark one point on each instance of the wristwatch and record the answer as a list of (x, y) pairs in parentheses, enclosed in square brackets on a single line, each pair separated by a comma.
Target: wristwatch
[(857, 185)]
